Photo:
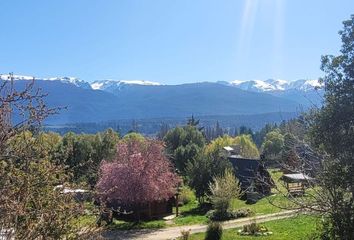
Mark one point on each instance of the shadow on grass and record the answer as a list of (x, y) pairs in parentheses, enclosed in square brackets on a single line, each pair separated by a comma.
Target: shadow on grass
[(197, 211)]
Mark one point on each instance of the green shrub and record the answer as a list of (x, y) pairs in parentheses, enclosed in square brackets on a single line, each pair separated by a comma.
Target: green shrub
[(251, 228), (242, 212), (214, 231), (215, 215), (223, 189), (186, 196), (254, 229)]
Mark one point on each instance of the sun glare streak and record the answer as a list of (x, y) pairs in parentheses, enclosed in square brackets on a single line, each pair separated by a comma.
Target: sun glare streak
[(278, 36), (247, 26)]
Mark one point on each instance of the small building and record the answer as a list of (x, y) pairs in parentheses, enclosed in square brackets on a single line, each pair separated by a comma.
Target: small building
[(147, 211), (252, 175), (296, 183), (254, 178)]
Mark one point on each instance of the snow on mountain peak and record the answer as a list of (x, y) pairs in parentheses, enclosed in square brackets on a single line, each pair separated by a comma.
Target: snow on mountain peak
[(118, 84), (70, 80), (271, 85), (253, 85), (15, 77)]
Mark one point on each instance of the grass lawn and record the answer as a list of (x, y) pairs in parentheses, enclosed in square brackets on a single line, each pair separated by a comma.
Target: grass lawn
[(90, 220), (299, 227), (122, 225), (191, 213)]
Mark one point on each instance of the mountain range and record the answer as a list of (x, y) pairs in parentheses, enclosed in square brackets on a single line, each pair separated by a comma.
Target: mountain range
[(107, 100)]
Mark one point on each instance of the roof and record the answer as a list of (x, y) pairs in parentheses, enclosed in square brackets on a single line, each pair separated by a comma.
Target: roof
[(245, 169), (228, 148), (239, 157), (69, 190), (298, 177)]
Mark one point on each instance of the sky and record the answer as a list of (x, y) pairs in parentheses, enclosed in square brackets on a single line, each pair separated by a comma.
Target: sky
[(170, 41)]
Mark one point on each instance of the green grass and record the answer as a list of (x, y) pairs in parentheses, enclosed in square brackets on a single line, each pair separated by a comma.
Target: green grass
[(263, 206), (299, 227), (123, 225), (85, 221), (191, 213)]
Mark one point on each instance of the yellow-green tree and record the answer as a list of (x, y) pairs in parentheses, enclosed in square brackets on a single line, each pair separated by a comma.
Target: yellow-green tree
[(248, 148)]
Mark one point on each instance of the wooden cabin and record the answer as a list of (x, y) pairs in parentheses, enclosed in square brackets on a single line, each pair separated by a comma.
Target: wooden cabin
[(254, 178)]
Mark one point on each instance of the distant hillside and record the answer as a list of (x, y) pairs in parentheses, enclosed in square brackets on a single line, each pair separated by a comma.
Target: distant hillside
[(139, 102)]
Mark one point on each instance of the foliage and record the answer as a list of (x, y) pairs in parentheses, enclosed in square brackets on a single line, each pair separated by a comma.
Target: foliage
[(254, 229), (30, 178), (138, 174), (186, 195), (258, 137), (332, 131), (273, 144), (83, 153), (30, 206), (215, 215), (223, 189), (214, 231), (185, 234), (200, 171), (216, 146), (184, 144), (133, 136), (247, 146)]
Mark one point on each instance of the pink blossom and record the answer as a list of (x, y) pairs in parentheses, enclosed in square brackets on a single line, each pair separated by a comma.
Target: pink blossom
[(139, 173)]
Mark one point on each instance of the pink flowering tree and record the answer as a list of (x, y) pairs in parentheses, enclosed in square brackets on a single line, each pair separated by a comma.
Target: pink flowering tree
[(139, 174)]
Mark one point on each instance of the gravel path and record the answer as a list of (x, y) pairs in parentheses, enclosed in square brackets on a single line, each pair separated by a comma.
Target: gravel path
[(174, 232)]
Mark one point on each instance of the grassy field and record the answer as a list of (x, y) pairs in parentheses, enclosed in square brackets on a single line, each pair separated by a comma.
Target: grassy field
[(299, 227)]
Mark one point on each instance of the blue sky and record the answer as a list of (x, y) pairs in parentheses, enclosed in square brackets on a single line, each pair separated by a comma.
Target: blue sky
[(170, 41)]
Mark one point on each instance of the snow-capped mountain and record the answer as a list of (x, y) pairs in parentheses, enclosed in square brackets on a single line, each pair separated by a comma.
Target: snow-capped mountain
[(275, 85), (15, 77), (269, 85), (70, 80), (117, 85)]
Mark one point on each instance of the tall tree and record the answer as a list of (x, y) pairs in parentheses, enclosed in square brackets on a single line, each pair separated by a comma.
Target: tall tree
[(184, 144), (273, 144), (30, 206), (332, 131)]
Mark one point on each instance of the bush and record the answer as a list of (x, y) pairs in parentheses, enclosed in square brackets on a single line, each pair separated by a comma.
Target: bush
[(214, 231), (254, 229), (242, 212), (186, 196), (223, 189), (215, 215), (185, 234)]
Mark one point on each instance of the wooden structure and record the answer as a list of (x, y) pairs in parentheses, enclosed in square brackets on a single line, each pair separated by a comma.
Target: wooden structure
[(296, 183), (254, 178), (148, 211)]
